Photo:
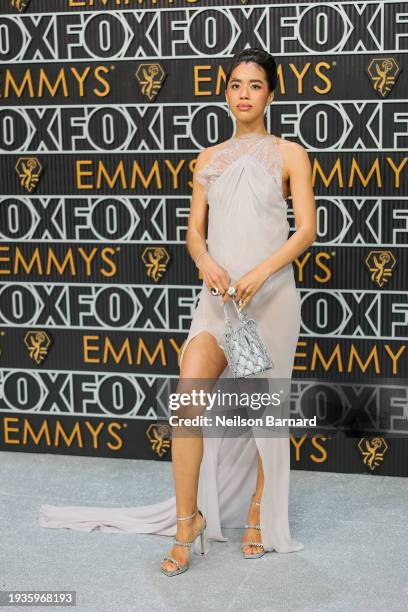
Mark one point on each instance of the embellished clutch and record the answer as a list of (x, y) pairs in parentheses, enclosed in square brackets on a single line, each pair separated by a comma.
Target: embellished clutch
[(245, 351)]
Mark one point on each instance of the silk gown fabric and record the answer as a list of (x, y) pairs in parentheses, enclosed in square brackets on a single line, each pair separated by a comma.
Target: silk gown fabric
[(247, 222)]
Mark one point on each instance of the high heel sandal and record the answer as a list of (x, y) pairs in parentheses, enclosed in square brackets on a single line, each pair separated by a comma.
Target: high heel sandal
[(258, 544), (183, 568)]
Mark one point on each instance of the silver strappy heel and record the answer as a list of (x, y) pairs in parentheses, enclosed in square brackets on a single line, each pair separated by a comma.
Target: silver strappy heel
[(258, 544), (183, 568)]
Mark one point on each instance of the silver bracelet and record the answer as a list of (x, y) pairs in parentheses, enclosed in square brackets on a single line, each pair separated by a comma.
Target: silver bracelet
[(202, 253)]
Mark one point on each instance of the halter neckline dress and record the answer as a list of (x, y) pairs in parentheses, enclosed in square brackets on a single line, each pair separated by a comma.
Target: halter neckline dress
[(247, 222)]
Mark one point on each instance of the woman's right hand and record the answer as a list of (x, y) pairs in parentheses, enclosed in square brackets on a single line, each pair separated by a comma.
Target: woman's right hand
[(214, 275)]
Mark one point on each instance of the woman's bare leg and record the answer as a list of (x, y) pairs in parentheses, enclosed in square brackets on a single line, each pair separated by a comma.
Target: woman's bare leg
[(202, 359), (259, 480), (253, 517)]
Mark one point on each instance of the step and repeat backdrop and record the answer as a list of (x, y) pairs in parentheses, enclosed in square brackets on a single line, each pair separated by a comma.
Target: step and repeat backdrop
[(104, 106)]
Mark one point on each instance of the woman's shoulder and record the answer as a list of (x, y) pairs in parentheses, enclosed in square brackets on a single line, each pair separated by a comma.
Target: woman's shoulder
[(294, 155), (289, 145)]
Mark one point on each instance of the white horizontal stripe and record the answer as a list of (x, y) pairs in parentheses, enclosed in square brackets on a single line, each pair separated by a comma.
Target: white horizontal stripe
[(328, 245), (49, 283), (128, 330)]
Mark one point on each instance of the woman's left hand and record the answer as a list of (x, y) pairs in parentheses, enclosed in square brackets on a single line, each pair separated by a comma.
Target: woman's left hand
[(247, 286)]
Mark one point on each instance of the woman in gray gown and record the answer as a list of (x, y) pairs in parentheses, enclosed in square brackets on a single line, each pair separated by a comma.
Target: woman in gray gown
[(240, 187)]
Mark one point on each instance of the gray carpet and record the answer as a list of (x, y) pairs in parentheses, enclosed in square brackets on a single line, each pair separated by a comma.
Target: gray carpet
[(354, 528)]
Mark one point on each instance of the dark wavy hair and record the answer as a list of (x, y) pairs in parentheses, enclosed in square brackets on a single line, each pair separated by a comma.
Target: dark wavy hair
[(260, 57)]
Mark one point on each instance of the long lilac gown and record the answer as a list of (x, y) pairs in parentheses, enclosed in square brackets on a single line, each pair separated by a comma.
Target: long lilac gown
[(247, 222)]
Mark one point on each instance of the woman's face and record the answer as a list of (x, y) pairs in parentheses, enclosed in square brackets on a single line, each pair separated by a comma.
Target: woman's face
[(247, 92)]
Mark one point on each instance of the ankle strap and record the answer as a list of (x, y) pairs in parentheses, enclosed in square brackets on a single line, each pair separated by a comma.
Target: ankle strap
[(185, 518)]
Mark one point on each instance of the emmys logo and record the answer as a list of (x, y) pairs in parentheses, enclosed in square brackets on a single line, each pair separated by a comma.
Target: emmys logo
[(20, 5), (383, 73), (159, 438), (380, 264), (150, 77), (29, 170), (155, 260), (373, 451), (37, 343)]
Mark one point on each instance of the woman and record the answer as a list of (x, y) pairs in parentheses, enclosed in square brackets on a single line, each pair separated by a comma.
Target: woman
[(241, 186), (247, 222)]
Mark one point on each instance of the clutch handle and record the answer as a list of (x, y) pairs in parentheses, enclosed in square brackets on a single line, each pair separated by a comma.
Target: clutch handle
[(241, 315)]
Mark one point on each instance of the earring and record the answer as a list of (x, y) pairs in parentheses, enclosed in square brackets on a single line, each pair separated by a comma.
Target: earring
[(229, 114)]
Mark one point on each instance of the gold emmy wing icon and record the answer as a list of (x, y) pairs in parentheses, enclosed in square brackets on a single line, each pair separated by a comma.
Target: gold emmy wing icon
[(383, 73), (373, 451), (38, 344), (20, 5), (381, 265), (159, 438), (29, 170), (150, 77), (155, 260)]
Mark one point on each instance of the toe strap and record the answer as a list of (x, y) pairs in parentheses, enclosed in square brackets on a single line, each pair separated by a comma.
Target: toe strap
[(252, 544), (252, 527), (173, 560)]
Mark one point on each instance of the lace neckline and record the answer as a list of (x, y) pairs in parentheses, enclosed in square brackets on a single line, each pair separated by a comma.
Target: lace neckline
[(261, 147), (250, 135)]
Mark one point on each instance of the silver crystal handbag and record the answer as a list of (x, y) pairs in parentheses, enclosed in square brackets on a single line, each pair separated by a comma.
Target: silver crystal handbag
[(245, 351)]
